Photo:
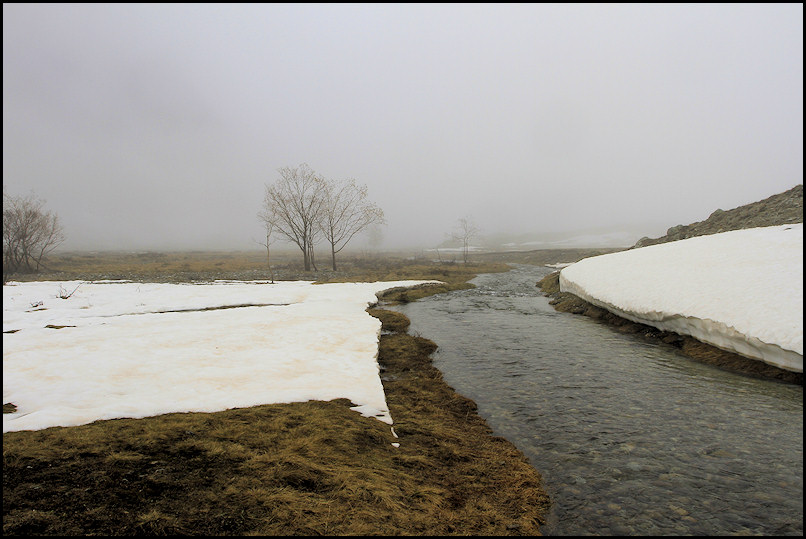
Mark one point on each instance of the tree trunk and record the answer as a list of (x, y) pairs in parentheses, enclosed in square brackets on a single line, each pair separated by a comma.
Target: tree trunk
[(268, 261), (312, 258), (306, 259)]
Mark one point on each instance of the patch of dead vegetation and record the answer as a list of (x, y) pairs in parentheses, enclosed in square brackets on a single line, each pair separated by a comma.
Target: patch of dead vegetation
[(391, 321), (198, 266)]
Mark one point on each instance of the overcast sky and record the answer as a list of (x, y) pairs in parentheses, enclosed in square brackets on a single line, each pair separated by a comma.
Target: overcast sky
[(158, 126)]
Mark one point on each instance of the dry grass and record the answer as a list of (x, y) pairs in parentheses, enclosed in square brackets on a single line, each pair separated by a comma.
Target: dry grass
[(154, 266), (314, 468), (248, 265)]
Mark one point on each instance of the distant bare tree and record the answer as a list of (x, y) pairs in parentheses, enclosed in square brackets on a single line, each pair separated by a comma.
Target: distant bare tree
[(268, 223), (465, 232), (293, 205), (346, 212), (29, 234)]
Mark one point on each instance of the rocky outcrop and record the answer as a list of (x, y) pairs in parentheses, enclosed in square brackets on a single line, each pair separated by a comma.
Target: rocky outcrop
[(781, 209)]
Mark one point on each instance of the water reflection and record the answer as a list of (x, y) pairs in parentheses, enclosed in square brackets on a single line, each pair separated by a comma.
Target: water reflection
[(631, 436)]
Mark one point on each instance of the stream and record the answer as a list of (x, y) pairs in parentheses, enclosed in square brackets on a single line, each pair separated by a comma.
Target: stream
[(631, 436)]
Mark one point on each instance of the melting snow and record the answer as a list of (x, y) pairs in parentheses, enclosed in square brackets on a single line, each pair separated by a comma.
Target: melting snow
[(122, 349), (741, 291)]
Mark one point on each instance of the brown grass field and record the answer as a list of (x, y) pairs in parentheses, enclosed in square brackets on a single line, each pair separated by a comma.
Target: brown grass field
[(313, 468)]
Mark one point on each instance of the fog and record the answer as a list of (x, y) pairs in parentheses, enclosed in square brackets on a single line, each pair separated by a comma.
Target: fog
[(158, 126)]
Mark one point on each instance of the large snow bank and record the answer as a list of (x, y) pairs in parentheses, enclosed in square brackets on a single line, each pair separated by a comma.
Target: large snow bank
[(741, 291), (137, 350)]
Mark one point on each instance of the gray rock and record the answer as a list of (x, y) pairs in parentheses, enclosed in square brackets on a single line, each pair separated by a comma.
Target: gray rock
[(780, 209)]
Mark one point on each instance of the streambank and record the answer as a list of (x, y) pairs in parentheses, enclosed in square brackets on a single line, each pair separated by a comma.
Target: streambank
[(484, 483), (706, 353)]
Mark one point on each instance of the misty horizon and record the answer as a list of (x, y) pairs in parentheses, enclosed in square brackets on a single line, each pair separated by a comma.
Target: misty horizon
[(157, 127)]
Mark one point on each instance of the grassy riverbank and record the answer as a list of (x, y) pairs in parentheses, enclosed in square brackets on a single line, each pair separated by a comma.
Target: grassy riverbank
[(290, 469)]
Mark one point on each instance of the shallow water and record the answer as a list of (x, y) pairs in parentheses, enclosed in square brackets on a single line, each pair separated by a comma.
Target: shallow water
[(631, 437)]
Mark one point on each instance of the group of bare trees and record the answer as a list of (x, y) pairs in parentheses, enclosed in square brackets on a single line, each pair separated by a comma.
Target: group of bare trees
[(30, 233), (304, 207)]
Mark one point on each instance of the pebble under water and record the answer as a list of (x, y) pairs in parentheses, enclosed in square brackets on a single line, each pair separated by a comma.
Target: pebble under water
[(631, 436)]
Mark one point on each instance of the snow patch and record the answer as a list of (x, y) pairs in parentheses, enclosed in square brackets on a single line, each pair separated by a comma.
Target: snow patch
[(124, 349), (741, 291)]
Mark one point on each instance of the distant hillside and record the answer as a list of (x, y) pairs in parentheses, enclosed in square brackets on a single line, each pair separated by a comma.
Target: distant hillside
[(780, 209)]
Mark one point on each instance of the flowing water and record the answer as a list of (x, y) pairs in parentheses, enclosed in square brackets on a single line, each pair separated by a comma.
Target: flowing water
[(631, 437)]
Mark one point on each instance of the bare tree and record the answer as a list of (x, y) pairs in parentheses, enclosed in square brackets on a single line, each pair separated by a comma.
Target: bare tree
[(346, 212), (30, 233), (293, 206), (465, 232), (268, 223)]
